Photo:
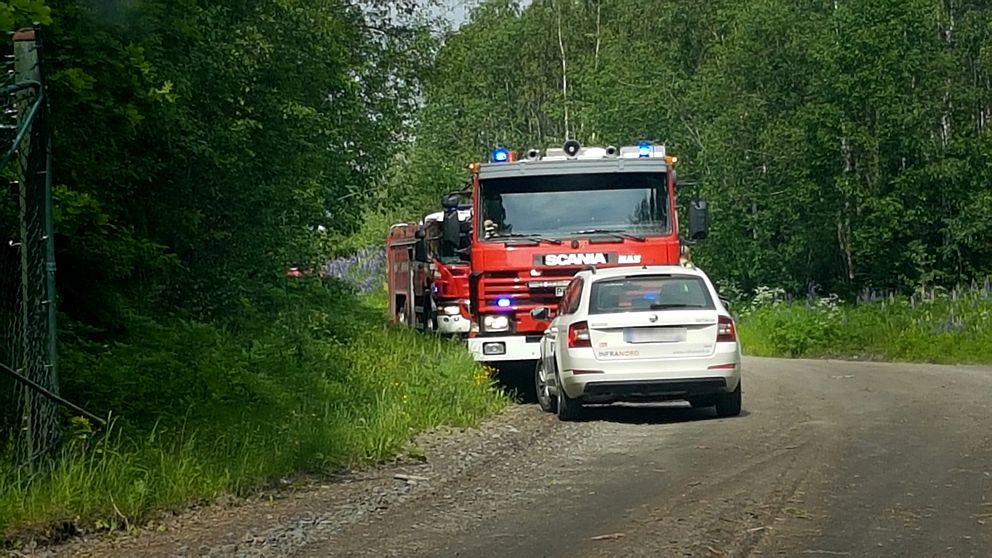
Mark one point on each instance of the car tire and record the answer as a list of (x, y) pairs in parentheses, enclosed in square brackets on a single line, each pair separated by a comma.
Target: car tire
[(729, 404), (568, 409), (547, 403)]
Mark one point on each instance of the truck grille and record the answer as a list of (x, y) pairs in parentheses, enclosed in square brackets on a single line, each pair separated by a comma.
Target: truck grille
[(524, 291)]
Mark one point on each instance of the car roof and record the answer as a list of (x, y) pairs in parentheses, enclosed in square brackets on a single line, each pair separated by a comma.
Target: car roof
[(631, 271)]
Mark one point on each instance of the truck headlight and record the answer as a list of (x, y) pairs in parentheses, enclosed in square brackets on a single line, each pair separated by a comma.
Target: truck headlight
[(450, 310), (496, 323)]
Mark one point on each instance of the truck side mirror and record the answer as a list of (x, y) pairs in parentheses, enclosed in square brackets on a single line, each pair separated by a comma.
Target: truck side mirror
[(451, 233), (420, 250), (541, 314), (449, 201), (699, 220)]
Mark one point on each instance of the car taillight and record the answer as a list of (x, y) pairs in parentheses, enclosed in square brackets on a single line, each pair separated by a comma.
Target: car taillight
[(726, 330), (578, 335)]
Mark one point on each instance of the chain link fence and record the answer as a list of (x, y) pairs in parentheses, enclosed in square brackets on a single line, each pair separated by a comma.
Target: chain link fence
[(29, 415)]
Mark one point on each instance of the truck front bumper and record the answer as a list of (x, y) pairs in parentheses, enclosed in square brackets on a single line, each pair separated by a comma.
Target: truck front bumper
[(452, 324), (500, 349)]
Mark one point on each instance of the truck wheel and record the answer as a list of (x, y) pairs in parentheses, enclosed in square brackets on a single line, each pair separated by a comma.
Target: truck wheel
[(568, 409), (432, 318), (729, 404), (544, 399)]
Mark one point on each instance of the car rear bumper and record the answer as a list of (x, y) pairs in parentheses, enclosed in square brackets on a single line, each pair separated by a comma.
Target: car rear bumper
[(659, 380), (652, 390), (505, 348)]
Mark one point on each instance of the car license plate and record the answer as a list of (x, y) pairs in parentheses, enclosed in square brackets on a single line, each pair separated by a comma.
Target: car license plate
[(559, 291), (654, 335)]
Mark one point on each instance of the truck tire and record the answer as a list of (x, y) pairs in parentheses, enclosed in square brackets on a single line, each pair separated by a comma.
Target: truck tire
[(431, 316)]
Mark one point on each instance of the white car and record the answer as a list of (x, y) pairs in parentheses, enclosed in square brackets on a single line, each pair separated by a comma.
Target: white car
[(652, 333)]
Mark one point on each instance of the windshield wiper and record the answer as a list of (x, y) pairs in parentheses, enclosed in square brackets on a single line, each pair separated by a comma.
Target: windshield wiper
[(522, 235), (612, 232), (664, 306)]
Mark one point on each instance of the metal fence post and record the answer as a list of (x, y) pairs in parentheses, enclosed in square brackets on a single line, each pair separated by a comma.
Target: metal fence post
[(40, 422)]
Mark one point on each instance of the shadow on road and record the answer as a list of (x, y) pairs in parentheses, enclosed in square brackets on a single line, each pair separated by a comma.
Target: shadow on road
[(517, 379), (652, 413)]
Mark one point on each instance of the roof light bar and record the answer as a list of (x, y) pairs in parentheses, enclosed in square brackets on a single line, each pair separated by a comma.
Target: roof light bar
[(644, 150), (574, 150)]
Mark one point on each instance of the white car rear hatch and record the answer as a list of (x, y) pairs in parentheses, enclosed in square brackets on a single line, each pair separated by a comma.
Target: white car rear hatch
[(652, 317)]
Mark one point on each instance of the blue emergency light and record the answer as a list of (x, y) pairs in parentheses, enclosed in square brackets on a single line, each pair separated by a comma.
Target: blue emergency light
[(644, 149), (501, 155), (503, 302)]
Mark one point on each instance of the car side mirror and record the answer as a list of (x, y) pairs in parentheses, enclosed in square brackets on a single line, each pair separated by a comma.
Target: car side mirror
[(726, 303), (541, 314), (699, 220)]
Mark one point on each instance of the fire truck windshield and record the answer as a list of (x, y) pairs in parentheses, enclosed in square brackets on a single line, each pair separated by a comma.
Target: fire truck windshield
[(575, 205)]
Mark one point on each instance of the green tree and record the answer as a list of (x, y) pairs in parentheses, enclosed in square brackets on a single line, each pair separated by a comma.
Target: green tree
[(199, 144), (843, 145)]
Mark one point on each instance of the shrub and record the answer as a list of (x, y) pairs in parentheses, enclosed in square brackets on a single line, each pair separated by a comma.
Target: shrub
[(941, 326)]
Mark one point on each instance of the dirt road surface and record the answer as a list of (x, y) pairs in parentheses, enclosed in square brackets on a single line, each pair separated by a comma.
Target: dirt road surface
[(829, 459)]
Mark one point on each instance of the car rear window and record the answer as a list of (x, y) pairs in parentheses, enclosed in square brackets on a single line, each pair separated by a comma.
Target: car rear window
[(649, 292)]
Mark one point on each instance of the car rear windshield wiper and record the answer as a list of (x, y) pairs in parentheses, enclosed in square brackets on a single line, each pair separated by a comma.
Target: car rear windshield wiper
[(664, 306), (613, 232), (530, 236)]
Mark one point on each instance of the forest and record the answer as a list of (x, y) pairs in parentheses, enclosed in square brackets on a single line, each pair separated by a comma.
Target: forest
[(202, 148), (842, 145)]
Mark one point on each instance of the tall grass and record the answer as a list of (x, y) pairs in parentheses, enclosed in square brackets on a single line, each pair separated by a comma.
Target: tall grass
[(203, 410), (934, 325)]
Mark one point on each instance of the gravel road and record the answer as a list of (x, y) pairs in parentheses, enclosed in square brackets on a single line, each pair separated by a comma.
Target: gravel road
[(828, 459)]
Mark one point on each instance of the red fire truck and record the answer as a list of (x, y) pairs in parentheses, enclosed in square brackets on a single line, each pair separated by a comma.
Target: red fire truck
[(428, 269), (541, 218)]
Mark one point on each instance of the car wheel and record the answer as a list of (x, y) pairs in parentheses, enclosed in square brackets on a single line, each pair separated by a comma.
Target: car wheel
[(544, 398), (568, 409), (729, 404)]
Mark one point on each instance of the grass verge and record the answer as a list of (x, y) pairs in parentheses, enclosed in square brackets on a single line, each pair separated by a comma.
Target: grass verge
[(938, 327), (205, 411)]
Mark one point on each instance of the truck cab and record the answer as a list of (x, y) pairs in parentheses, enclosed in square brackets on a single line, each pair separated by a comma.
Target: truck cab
[(541, 218), (447, 238)]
